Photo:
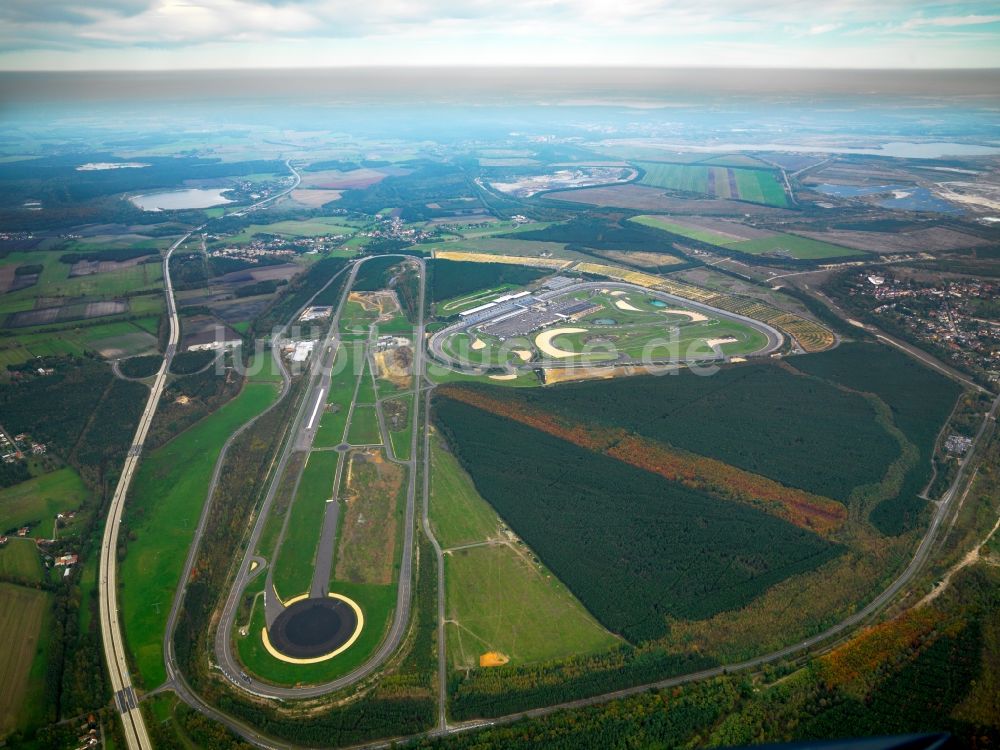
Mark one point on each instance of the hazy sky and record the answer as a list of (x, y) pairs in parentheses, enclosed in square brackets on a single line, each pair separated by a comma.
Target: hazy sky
[(183, 34)]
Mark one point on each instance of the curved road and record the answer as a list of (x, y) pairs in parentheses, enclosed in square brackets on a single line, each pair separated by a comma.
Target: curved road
[(227, 662), (115, 652), (774, 337)]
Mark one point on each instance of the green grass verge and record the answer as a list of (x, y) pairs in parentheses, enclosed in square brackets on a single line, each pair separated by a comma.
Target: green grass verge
[(293, 569), (163, 509)]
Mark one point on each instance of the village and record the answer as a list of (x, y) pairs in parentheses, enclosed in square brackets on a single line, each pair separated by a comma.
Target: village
[(960, 316)]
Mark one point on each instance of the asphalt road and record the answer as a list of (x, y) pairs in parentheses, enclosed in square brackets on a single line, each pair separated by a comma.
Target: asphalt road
[(227, 662), (774, 337), (115, 653)]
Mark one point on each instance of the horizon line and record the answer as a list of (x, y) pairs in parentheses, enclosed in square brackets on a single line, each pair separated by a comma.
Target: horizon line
[(520, 66)]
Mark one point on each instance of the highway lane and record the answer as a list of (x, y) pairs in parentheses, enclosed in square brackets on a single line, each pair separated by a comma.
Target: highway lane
[(115, 652), (774, 337), (227, 662)]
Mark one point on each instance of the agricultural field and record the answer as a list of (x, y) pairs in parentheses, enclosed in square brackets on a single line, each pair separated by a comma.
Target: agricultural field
[(707, 555), (316, 227), (37, 501), (23, 625), (293, 566), (20, 560), (733, 236), (738, 183), (163, 509)]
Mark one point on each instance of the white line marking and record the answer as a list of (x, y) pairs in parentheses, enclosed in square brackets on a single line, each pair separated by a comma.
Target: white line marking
[(319, 400)]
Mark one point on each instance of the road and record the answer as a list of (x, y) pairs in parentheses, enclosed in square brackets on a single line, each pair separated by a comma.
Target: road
[(774, 337), (115, 653), (301, 436)]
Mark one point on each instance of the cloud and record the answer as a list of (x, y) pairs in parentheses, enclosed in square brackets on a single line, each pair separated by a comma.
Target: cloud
[(532, 30)]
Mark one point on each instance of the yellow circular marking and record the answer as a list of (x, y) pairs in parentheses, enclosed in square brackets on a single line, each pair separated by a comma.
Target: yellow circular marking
[(294, 599), (316, 659)]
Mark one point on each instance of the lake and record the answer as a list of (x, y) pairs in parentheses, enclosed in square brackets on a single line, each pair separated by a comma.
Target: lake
[(174, 200)]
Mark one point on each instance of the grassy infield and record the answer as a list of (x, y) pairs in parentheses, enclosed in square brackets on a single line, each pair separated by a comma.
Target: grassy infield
[(641, 334)]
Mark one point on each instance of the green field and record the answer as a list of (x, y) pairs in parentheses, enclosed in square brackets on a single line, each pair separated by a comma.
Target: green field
[(800, 248), (401, 439), (499, 600), (19, 559), (24, 618), (293, 568), (366, 388), (458, 515), (364, 429), (377, 605), (38, 500), (754, 185), (117, 339), (682, 230), (334, 420), (310, 228), (163, 508)]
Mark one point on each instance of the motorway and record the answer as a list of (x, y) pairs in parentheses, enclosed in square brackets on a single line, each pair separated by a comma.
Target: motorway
[(115, 653), (774, 337)]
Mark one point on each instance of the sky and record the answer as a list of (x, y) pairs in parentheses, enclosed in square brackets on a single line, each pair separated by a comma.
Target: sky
[(121, 35)]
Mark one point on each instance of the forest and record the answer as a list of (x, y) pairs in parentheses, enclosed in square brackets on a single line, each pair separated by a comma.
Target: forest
[(603, 233), (769, 421), (670, 551), (920, 400), (450, 278)]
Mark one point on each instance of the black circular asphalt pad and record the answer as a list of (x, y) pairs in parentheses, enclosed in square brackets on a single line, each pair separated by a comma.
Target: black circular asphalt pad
[(313, 627)]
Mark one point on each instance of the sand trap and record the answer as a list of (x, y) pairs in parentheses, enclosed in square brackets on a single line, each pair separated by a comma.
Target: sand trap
[(619, 293), (623, 305), (718, 342), (505, 376), (493, 659), (524, 354), (544, 342), (695, 317), (478, 344)]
